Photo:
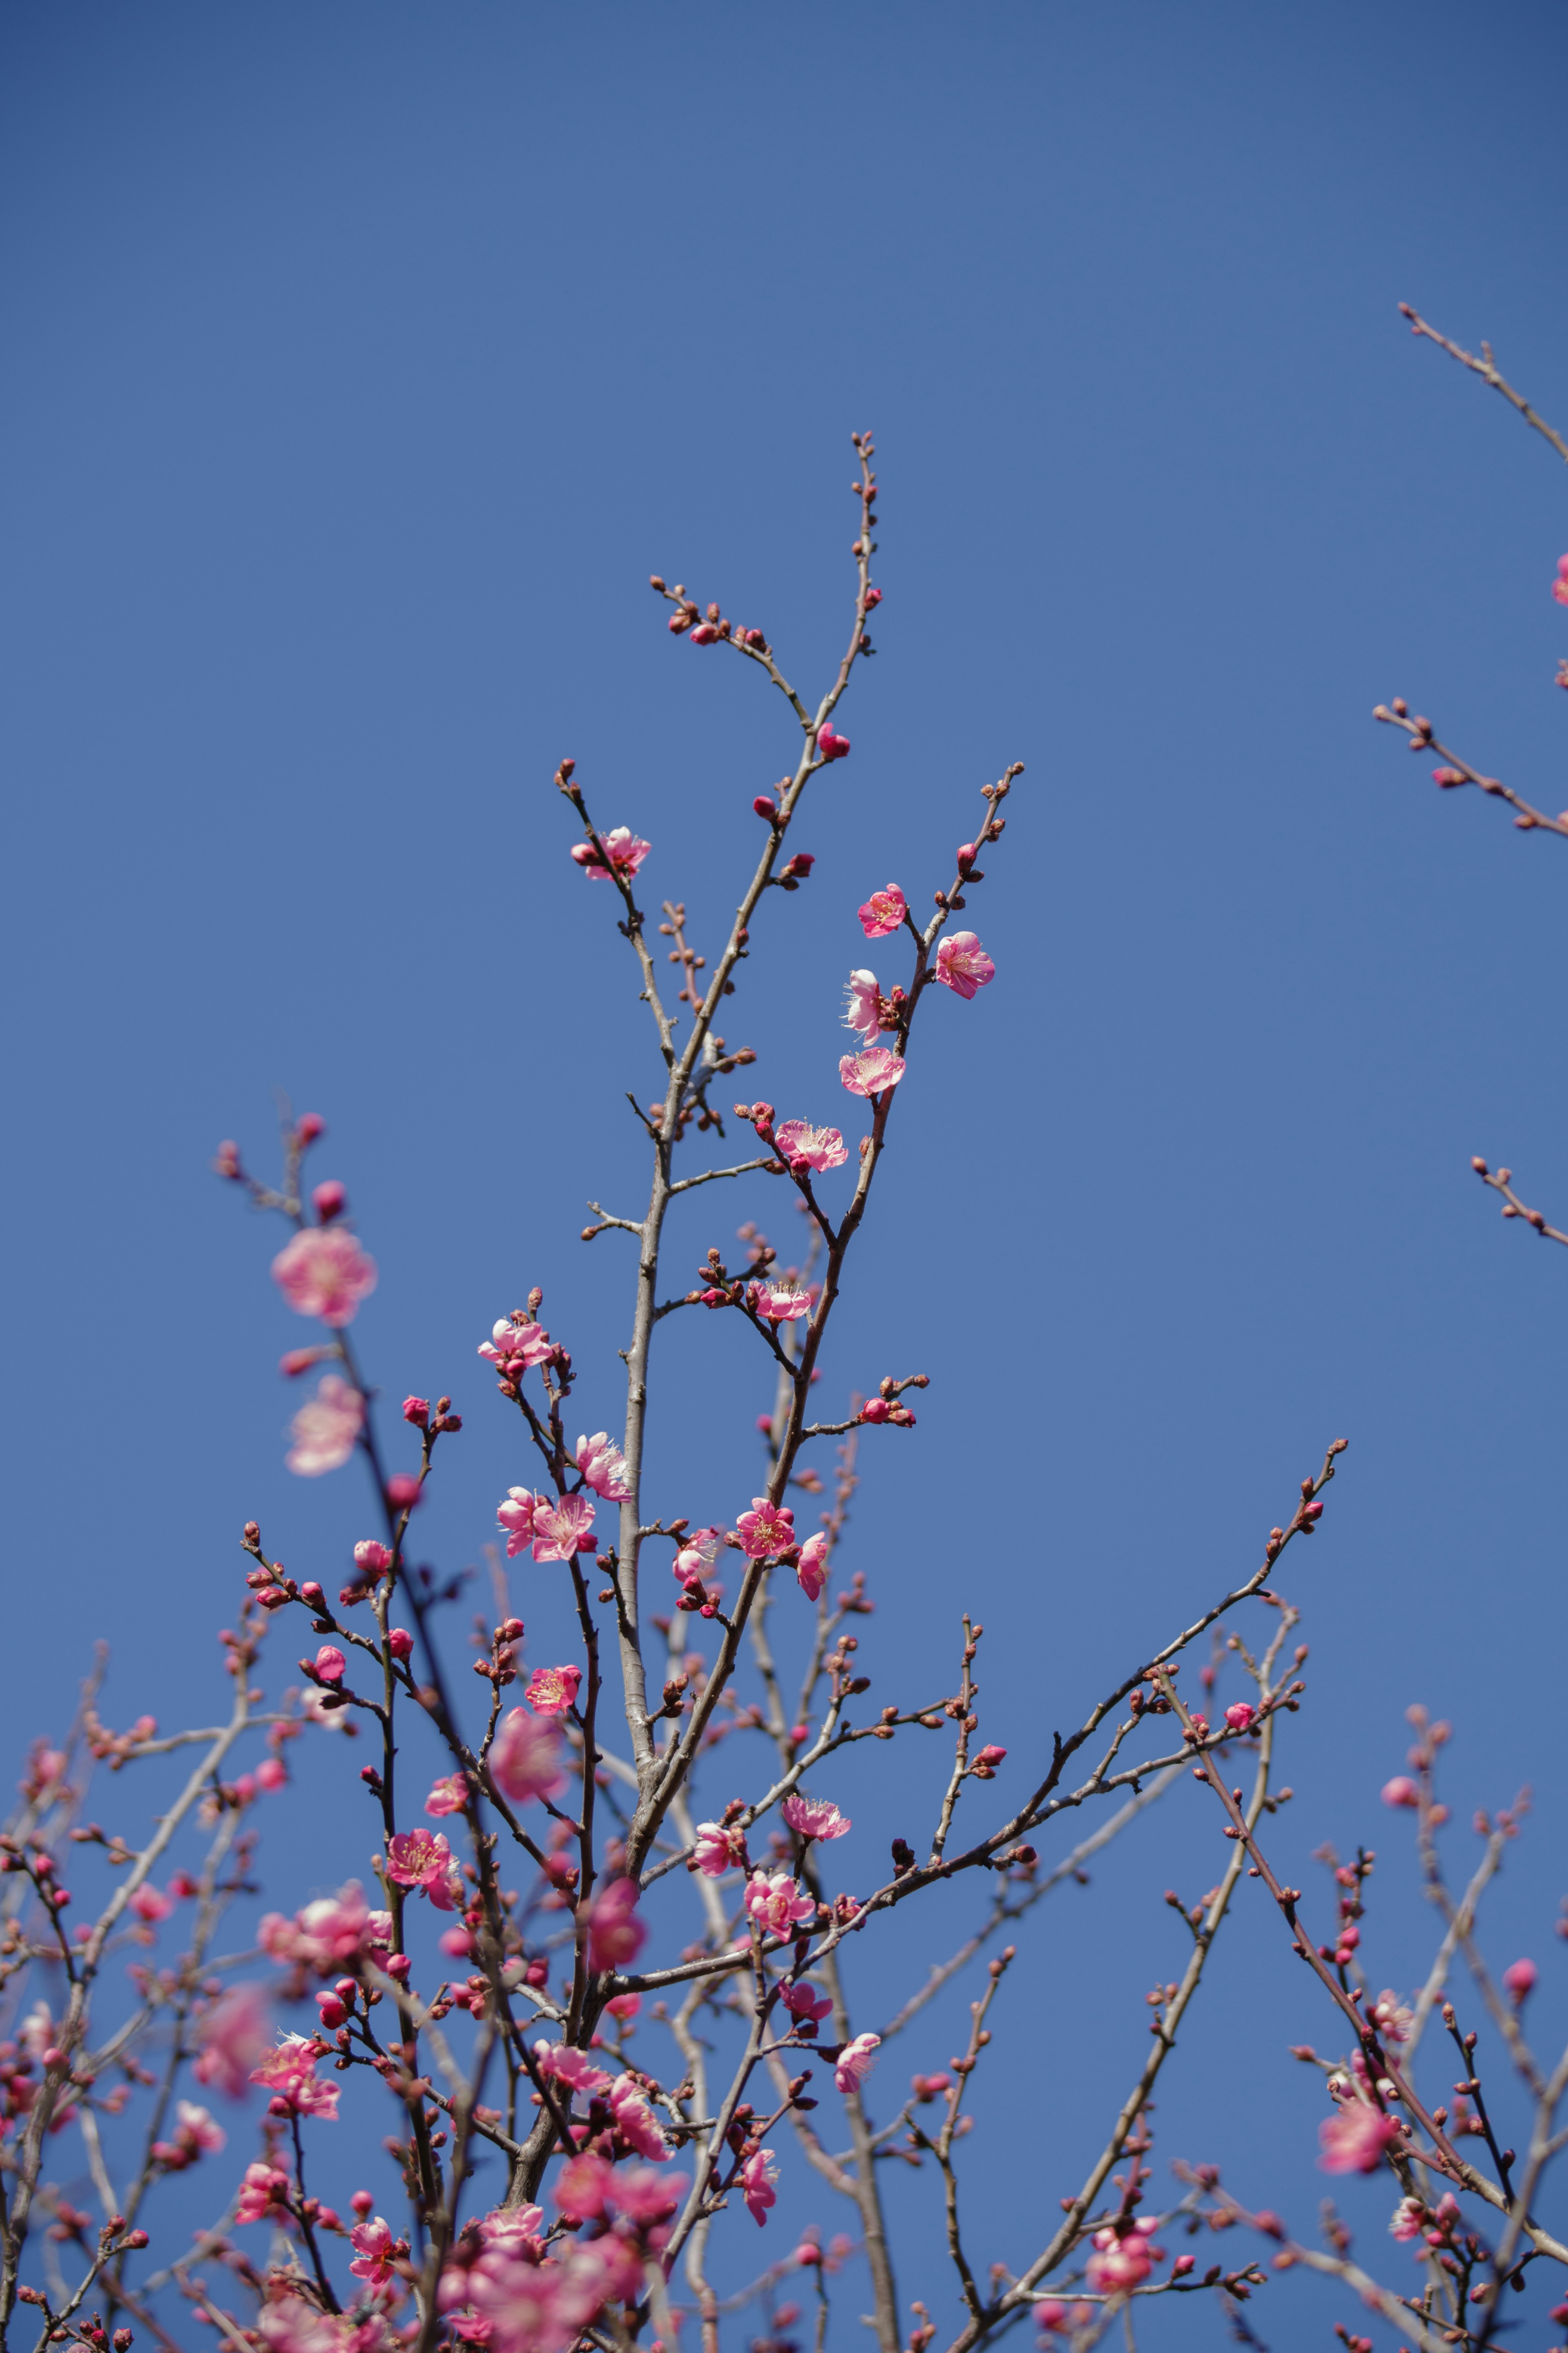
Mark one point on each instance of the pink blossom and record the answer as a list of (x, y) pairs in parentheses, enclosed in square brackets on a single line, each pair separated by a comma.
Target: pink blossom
[(615, 1934), (863, 1005), (780, 1303), (634, 2120), (324, 1272), (1520, 1978), (699, 1549), (263, 2195), (150, 1903), (514, 1516), (819, 1147), (775, 1903), (326, 1429), (766, 1530), (513, 2230), (962, 963), (231, 2038), (813, 1817), (561, 1530), (625, 851), (372, 2244), (552, 1690), (830, 746), (603, 1467), (1401, 1791), (872, 1073), (330, 1665), (449, 1796), (199, 2126), (329, 1932), (580, 2186), (1124, 2264), (563, 2065), (1354, 2139), (516, 1343), (624, 2005), (883, 912), (717, 1849), (525, 1763), (1560, 586), (372, 1560), (1409, 2219), (642, 2196), (1240, 1717), (289, 2075), (758, 2176), (1392, 2018), (812, 1567), (802, 2002), (272, 1774), (854, 2063), (423, 1859)]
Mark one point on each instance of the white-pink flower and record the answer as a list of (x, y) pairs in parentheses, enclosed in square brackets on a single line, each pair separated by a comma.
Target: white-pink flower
[(716, 1850), (559, 1529), (962, 963), (326, 1429), (634, 2120), (883, 912), (516, 1343), (818, 1147), (324, 1272), (775, 1903), (863, 1005), (449, 1796), (872, 1073), (200, 2127), (603, 1466), (854, 2063), (289, 2075), (514, 1518), (758, 2176), (623, 848), (563, 2065), (811, 1569), (813, 1817), (699, 1549), (525, 1762), (780, 1303), (552, 1690)]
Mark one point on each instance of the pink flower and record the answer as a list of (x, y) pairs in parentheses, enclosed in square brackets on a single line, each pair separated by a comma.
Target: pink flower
[(699, 1549), (289, 2075), (872, 1073), (1125, 2264), (231, 2038), (263, 2195), (634, 2120), (562, 2064), (560, 1530), (1354, 2138), (1401, 1791), (717, 1849), (854, 2063), (623, 848), (812, 1567), (883, 912), (581, 2184), (962, 963), (813, 1817), (1240, 1717), (372, 2244), (818, 1147), (516, 1343), (326, 1429), (758, 2176), (603, 1467), (552, 1690), (1560, 586), (423, 1859), (272, 1774), (1391, 2018), (150, 1903), (449, 1796), (372, 1560), (1409, 2219), (780, 1303), (775, 1903), (332, 1930), (802, 2002), (615, 1934), (324, 1272), (525, 1763), (514, 1516), (830, 746), (330, 1665), (863, 1005), (1520, 1978), (644, 2196), (766, 1530)]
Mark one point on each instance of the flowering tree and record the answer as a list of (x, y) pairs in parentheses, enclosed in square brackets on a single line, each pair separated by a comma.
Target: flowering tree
[(642, 1900)]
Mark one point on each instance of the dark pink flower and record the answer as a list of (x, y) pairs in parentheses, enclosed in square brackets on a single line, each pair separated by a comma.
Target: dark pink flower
[(581, 2184), (1121, 2264), (289, 2075), (330, 1663), (515, 1344), (758, 2176), (525, 1763), (717, 1849), (1240, 1717), (962, 963), (423, 1860), (766, 1530), (324, 1272), (615, 1934), (802, 2002), (561, 2064), (634, 2120), (372, 2244), (263, 2195), (1520, 1978), (829, 745), (625, 851), (552, 1690), (813, 1817), (775, 1903), (449, 1796), (883, 912), (811, 1569), (872, 1072), (326, 1429)]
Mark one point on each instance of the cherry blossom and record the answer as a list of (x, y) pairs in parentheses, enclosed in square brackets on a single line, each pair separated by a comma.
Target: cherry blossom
[(289, 2075), (758, 2176), (774, 1902), (717, 1849), (330, 1663), (326, 1429), (150, 1903), (863, 1005), (324, 1272), (423, 1860), (515, 1344), (854, 2063), (780, 1303), (1354, 2140), (642, 2195), (199, 2125), (525, 1762), (232, 2037), (812, 1567), (447, 1796), (872, 1073), (766, 1530), (552, 1690), (263, 2195), (1409, 2219), (883, 912), (813, 1817), (615, 1934), (580, 2186), (561, 1530), (603, 1466), (1240, 1717), (962, 963), (1560, 586), (815, 1147), (625, 851)]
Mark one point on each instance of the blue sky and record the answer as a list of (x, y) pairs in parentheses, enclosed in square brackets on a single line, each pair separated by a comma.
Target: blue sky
[(363, 363)]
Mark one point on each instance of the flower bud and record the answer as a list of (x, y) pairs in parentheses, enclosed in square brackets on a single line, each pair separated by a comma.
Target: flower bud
[(400, 1642)]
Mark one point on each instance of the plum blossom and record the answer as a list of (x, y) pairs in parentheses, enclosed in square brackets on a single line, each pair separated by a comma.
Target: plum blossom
[(374, 2245), (1401, 1791), (830, 746), (580, 2186), (780, 1303), (863, 1005), (775, 1903), (811, 1569), (699, 1549), (150, 1903), (423, 1859), (872, 1073), (642, 2195), (1560, 586), (525, 1763), (289, 2075), (717, 1849), (326, 1429), (813, 1817), (603, 1467), (325, 1274), (802, 2002), (766, 1530), (231, 2038), (263, 2195), (962, 963), (1353, 2140), (516, 1343), (819, 1147), (447, 1796), (625, 851), (634, 2120), (514, 1518), (1520, 1978), (615, 1934), (854, 2063), (1409, 2219), (200, 2124), (883, 912), (561, 1530), (552, 1690), (327, 1933), (758, 2176), (1125, 2264), (1240, 1716), (563, 2065), (1392, 2018)]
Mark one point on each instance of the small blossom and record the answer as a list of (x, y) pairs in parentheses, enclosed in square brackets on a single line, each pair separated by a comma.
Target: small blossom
[(563, 2065), (625, 851), (1559, 589), (812, 1567), (1520, 1978), (561, 1530), (813, 1817), (374, 2244), (514, 1516), (199, 2126), (289, 2075), (552, 1690), (580, 2186), (525, 1763), (863, 1007), (774, 1902), (232, 2038), (830, 746), (1409, 2219), (449, 1796), (1124, 2264), (371, 1560), (1240, 1717), (854, 2062), (150, 1903), (1354, 2139), (872, 1073), (699, 1549), (615, 1934), (634, 2120), (717, 1849), (326, 1429), (515, 1344), (962, 963), (780, 1303), (324, 1272), (330, 1663), (1392, 2018), (758, 2176), (423, 1859), (1401, 1791), (883, 912), (819, 1147), (603, 1467), (766, 1530), (263, 2195), (802, 2002)]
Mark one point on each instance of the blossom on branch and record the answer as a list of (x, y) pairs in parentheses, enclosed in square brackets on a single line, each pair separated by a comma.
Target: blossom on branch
[(326, 1429), (516, 1344), (780, 1303), (525, 1762), (758, 2176), (232, 2038), (289, 2075), (766, 1530), (883, 912), (625, 851), (603, 1467), (814, 1147), (615, 1934), (423, 1860), (811, 1569), (449, 1796), (324, 1272), (775, 1903), (863, 1005), (552, 1690), (813, 1817), (717, 1849), (1355, 2139), (962, 963), (854, 2062), (561, 1530), (263, 2196), (872, 1072)]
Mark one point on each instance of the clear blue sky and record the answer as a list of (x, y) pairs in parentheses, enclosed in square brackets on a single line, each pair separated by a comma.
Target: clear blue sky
[(362, 364)]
